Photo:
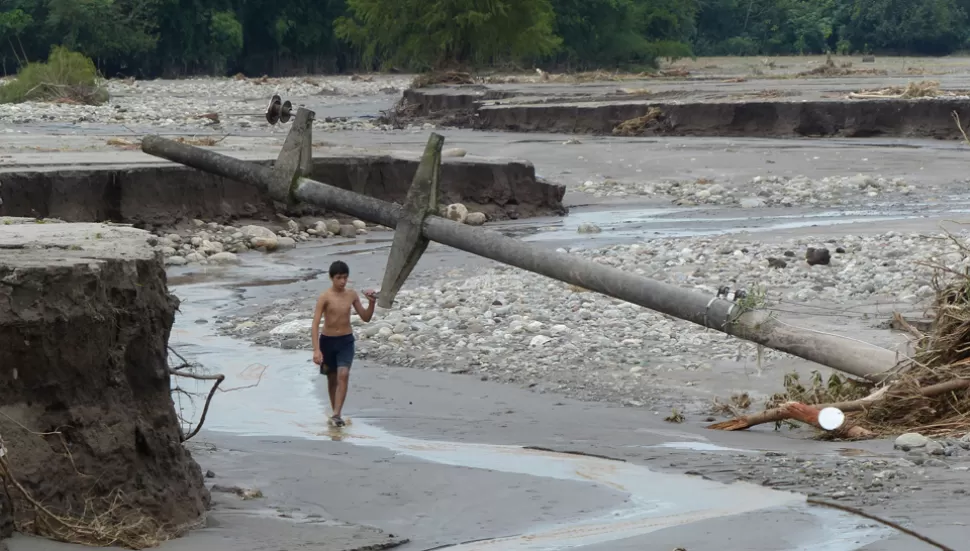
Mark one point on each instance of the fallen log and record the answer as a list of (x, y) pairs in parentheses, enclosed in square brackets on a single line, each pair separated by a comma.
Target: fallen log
[(809, 413)]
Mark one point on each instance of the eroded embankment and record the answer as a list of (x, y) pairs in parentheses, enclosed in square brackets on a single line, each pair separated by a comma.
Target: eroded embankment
[(166, 194), (858, 118), (92, 444)]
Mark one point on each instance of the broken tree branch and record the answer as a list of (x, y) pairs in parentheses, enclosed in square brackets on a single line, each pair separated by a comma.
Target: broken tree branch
[(208, 400), (218, 378)]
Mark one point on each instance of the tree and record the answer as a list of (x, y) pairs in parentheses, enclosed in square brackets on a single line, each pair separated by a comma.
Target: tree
[(932, 27), (424, 34)]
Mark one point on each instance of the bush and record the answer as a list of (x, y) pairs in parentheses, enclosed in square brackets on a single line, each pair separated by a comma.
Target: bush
[(67, 77)]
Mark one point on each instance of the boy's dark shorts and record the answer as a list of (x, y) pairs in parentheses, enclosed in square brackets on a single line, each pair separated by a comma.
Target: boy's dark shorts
[(337, 352)]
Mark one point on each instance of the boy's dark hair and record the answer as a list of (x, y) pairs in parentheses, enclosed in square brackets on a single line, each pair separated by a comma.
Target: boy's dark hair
[(339, 268)]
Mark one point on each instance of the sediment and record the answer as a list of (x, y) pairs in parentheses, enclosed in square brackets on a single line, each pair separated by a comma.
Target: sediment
[(165, 194), (86, 415), (857, 118)]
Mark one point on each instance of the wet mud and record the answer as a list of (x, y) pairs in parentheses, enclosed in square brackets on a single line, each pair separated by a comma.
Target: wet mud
[(268, 396)]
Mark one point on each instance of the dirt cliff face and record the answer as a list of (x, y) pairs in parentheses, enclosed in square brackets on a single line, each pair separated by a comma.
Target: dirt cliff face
[(86, 414)]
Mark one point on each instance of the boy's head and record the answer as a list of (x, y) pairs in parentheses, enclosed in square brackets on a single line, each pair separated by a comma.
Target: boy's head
[(339, 272)]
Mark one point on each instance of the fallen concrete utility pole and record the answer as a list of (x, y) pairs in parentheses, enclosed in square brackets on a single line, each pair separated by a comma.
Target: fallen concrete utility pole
[(416, 223)]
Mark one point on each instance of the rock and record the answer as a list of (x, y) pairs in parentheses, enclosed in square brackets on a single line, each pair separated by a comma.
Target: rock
[(347, 230), (293, 226), (359, 224), (911, 440), (285, 243), (935, 448), (224, 258), (194, 257), (476, 218), (257, 232), (108, 285), (751, 203), (539, 340), (817, 256), (587, 227), (333, 226), (454, 152), (456, 212), (776, 263), (176, 261), (268, 244)]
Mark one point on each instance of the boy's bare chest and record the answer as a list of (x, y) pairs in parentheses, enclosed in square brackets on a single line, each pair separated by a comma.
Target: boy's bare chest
[(338, 306)]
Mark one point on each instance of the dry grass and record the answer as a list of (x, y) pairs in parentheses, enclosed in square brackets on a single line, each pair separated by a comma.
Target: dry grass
[(112, 520), (942, 355)]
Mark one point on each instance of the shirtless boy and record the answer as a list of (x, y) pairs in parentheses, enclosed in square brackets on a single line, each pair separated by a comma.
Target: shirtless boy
[(333, 350)]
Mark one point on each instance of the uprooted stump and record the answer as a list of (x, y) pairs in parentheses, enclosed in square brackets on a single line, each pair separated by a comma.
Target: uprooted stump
[(929, 394), (92, 445)]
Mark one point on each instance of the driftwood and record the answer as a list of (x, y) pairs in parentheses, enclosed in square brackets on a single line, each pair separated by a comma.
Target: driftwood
[(792, 411), (809, 413)]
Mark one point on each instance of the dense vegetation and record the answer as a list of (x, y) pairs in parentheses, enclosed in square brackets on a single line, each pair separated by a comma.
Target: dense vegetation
[(182, 37)]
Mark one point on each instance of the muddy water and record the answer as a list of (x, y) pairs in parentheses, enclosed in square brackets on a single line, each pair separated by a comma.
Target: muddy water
[(270, 392)]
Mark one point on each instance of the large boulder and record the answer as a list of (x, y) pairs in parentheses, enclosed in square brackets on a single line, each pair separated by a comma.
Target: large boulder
[(86, 415)]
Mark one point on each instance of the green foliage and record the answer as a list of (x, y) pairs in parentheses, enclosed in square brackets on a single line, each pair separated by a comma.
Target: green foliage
[(67, 76), (436, 34), (623, 33), (179, 37), (226, 34)]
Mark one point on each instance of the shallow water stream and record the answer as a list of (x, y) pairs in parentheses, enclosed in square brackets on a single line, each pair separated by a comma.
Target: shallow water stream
[(276, 393)]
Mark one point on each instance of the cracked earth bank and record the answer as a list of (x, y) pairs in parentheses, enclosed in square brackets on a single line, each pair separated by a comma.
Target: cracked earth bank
[(91, 443)]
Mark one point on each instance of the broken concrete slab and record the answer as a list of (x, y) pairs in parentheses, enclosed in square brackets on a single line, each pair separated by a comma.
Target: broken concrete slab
[(545, 110), (86, 416), (163, 194)]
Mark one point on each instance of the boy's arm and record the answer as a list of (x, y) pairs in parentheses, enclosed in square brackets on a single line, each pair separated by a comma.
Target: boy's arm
[(365, 315), (315, 328)]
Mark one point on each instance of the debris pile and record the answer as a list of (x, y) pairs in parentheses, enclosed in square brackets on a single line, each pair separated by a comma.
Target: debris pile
[(830, 69), (436, 78), (927, 393), (913, 90), (651, 122)]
